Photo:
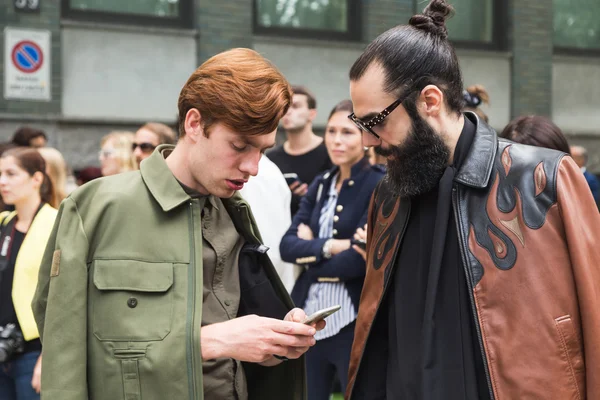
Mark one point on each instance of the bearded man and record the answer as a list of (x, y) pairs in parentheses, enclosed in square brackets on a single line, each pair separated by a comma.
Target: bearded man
[(483, 271)]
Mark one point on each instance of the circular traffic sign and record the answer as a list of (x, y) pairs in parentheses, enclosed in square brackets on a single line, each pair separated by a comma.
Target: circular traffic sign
[(27, 56)]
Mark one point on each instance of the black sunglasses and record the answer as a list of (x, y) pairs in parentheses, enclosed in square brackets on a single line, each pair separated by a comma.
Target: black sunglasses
[(144, 147), (368, 125)]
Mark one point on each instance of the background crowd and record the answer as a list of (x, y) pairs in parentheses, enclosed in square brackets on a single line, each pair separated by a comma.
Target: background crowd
[(310, 199)]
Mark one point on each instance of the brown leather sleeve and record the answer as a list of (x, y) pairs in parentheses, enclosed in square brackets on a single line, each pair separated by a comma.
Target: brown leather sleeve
[(582, 230)]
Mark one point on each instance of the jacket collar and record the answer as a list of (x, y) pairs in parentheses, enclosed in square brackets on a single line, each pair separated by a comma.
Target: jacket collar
[(477, 167), (160, 180), (355, 170)]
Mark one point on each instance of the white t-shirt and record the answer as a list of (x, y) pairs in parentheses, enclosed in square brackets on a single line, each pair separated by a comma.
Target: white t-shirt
[(269, 197)]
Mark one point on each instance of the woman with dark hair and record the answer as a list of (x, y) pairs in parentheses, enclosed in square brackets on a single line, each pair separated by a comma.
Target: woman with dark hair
[(23, 236), (5, 147), (27, 136), (319, 240), (536, 130)]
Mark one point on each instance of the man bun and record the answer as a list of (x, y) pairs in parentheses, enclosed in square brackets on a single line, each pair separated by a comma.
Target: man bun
[(433, 19)]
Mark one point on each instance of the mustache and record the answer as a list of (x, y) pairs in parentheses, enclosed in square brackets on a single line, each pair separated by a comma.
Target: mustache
[(384, 152)]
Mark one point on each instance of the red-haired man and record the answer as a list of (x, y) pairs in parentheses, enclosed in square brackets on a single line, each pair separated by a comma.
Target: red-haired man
[(155, 284)]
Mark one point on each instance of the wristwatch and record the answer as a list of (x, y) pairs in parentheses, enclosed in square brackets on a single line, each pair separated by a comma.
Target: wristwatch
[(327, 249)]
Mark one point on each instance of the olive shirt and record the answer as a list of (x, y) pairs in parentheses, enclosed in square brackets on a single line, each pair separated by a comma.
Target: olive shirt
[(221, 245), (224, 378)]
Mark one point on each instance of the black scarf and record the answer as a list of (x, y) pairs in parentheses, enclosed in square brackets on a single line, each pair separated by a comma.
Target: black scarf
[(434, 352)]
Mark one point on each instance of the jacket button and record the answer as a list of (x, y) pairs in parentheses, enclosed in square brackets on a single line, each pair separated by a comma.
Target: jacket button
[(132, 302), (350, 183), (227, 303), (336, 218), (339, 208), (335, 232)]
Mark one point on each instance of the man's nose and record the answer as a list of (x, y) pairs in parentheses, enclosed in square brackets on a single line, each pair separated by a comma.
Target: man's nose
[(369, 140), (250, 164)]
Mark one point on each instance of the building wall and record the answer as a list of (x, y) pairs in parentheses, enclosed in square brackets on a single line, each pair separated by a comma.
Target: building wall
[(324, 70), (576, 94), (107, 77), (112, 74), (576, 103), (48, 19), (531, 34)]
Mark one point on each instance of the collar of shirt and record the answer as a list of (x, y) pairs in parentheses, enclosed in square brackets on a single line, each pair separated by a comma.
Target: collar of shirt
[(161, 182)]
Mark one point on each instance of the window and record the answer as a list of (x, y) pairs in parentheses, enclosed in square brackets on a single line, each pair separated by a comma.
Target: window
[(473, 21), (576, 24), (326, 19), (171, 13), (476, 23)]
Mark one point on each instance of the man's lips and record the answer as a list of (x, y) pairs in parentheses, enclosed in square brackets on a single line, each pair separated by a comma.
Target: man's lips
[(236, 184)]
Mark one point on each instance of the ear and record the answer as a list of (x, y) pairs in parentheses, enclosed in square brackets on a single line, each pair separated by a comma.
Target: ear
[(193, 124), (431, 100), (38, 178), (312, 114)]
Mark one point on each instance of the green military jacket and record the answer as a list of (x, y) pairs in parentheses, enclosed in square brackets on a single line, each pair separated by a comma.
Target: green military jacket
[(119, 298)]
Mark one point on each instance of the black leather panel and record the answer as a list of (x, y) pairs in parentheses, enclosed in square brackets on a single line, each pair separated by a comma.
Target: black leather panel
[(519, 181), (389, 222)]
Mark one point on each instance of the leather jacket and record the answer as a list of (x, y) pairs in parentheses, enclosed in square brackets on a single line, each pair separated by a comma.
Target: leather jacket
[(528, 233)]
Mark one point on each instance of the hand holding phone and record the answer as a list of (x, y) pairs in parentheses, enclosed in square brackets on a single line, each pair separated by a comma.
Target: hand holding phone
[(359, 242), (321, 314), (291, 177)]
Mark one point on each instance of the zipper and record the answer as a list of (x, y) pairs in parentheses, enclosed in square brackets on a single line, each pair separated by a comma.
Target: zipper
[(385, 289), (463, 251), (191, 307)]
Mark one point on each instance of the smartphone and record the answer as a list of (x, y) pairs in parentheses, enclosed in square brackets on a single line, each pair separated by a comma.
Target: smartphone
[(291, 177), (321, 314), (360, 243)]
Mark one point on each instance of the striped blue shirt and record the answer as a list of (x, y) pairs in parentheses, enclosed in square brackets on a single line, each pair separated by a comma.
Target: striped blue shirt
[(326, 294)]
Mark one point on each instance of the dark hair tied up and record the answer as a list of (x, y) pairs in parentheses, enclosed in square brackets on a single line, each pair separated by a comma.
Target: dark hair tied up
[(472, 100), (433, 19)]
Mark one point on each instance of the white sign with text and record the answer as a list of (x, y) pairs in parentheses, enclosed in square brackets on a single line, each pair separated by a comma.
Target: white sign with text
[(27, 64)]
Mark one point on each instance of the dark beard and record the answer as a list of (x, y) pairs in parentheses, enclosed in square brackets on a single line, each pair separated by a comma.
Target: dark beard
[(416, 166)]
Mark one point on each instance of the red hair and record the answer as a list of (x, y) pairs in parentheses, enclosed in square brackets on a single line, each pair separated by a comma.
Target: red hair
[(239, 88)]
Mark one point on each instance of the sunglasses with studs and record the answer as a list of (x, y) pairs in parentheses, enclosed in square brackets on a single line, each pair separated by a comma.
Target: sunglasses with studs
[(367, 126)]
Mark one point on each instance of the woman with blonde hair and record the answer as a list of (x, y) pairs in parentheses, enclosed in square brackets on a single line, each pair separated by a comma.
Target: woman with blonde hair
[(56, 169), (116, 155)]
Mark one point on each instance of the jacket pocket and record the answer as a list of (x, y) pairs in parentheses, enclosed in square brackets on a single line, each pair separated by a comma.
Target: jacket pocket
[(131, 300), (573, 353)]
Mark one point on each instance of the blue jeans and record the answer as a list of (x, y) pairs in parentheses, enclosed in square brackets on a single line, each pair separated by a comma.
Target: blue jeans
[(15, 377)]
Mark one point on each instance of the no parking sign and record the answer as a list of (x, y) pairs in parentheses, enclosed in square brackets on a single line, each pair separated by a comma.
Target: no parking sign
[(27, 64)]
